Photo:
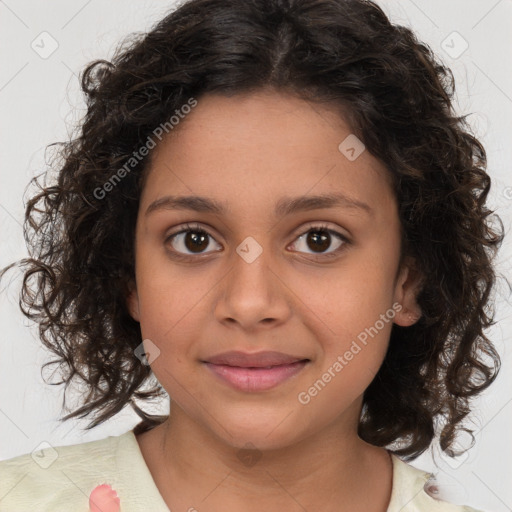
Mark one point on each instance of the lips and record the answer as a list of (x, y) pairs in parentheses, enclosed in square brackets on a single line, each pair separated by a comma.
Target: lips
[(255, 372), (256, 360)]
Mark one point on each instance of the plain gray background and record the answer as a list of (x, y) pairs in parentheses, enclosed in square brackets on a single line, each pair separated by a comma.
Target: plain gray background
[(40, 102)]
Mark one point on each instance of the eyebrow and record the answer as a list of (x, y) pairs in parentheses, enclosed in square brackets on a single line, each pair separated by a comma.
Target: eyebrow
[(285, 206)]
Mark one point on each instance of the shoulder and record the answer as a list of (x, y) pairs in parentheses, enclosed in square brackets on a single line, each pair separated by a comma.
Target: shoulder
[(415, 490), (56, 476)]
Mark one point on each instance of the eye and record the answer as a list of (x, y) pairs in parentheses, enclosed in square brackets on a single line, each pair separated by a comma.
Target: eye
[(195, 240), (320, 238)]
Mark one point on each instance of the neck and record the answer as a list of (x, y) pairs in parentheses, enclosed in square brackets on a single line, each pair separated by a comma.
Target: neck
[(194, 468)]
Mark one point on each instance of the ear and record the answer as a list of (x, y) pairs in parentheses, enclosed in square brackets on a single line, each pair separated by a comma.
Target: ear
[(408, 285), (132, 301)]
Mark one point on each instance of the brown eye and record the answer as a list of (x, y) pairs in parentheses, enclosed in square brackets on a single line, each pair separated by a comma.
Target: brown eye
[(193, 240), (319, 239), (196, 241)]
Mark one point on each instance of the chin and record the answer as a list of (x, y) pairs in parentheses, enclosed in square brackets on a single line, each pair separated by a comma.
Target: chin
[(262, 436)]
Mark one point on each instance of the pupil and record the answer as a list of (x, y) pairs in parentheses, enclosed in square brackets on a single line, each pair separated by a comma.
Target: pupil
[(196, 240), (313, 236)]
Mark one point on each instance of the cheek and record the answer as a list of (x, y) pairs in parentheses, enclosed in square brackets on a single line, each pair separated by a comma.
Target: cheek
[(351, 316), (167, 305), (348, 360), (167, 291), (345, 301)]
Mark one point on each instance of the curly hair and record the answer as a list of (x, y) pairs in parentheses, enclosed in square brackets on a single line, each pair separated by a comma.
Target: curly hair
[(397, 96)]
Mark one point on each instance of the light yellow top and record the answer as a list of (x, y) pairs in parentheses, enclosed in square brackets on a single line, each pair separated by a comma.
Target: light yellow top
[(61, 478)]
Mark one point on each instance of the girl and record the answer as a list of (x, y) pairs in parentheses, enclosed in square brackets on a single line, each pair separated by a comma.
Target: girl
[(272, 208)]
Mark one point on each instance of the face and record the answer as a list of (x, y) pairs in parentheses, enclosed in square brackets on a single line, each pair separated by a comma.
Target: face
[(319, 283)]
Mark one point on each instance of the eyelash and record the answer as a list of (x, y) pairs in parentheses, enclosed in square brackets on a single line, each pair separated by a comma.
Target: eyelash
[(197, 229)]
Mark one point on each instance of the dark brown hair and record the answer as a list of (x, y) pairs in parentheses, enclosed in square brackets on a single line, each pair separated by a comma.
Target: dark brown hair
[(398, 99)]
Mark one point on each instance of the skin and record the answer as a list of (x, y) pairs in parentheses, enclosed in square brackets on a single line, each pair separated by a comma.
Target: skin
[(249, 151)]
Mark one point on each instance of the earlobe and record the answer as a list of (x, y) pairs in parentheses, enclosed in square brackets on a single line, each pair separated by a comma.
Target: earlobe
[(408, 286), (132, 302)]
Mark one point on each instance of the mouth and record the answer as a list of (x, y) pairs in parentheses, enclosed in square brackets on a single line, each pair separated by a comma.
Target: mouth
[(266, 359), (255, 372)]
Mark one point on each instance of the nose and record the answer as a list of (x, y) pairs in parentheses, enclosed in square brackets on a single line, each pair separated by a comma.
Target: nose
[(252, 293)]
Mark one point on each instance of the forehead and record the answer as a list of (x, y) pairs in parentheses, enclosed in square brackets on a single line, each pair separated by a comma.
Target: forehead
[(257, 148)]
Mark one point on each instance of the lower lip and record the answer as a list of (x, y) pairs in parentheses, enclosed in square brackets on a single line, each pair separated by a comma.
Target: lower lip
[(256, 379)]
